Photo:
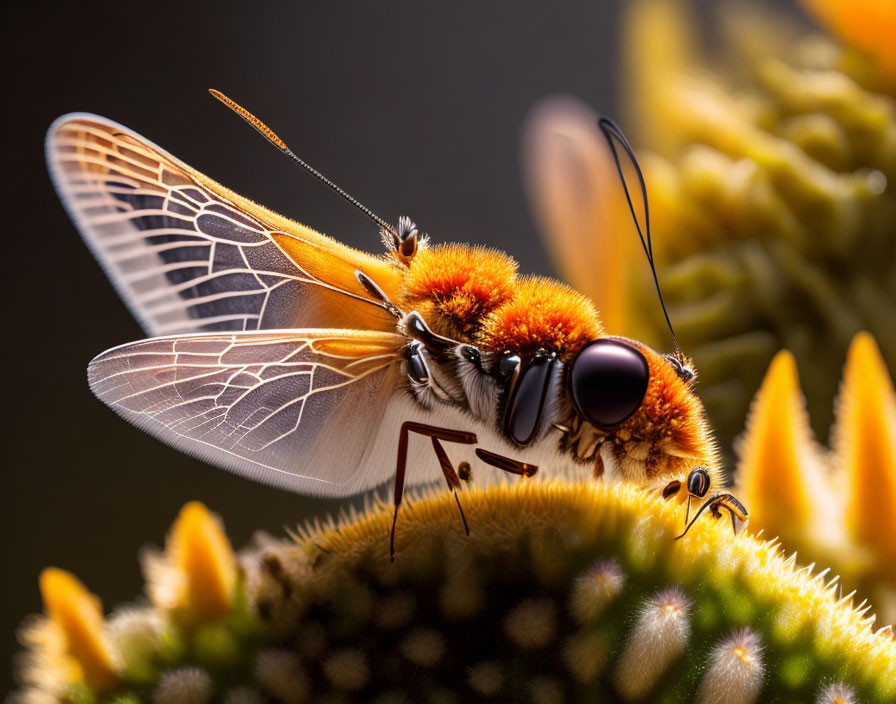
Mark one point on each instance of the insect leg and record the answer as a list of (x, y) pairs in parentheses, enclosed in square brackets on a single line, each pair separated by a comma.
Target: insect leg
[(431, 431), (450, 477), (506, 463), (414, 326), (671, 490), (726, 501), (710, 503), (735, 508), (376, 292)]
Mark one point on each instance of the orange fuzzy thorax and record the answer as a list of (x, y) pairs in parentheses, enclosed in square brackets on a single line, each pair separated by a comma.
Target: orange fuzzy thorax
[(541, 314), (454, 286), (474, 294)]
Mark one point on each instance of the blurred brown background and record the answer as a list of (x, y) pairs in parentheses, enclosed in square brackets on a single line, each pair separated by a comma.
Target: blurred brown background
[(414, 108)]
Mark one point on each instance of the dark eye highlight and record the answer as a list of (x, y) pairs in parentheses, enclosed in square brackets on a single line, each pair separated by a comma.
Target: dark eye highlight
[(607, 382), (698, 482)]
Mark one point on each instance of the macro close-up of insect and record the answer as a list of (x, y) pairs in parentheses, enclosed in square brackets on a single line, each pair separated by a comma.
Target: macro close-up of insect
[(289, 358), (561, 369)]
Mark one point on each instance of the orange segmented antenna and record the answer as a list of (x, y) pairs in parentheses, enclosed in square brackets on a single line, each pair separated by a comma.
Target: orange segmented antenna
[(265, 131), (272, 137)]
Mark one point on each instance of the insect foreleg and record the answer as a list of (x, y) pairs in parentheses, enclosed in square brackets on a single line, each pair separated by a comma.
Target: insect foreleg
[(506, 464), (726, 501), (451, 477), (431, 431)]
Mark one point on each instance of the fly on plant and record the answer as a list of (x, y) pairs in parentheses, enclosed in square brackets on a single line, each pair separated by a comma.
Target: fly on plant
[(289, 358)]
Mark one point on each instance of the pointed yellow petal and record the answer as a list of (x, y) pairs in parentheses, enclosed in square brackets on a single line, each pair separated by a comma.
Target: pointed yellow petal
[(79, 615), (577, 198), (778, 471), (865, 444), (200, 551), (869, 25)]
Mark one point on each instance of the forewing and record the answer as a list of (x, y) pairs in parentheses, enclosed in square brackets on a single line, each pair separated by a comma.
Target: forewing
[(575, 191), (188, 255), (298, 409)]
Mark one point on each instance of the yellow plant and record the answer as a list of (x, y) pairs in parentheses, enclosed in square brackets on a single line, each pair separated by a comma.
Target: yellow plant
[(563, 591), (836, 507), (769, 170), (196, 575), (868, 25), (70, 646)]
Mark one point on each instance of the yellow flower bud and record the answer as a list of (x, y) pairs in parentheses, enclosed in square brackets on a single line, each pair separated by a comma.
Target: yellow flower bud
[(78, 614)]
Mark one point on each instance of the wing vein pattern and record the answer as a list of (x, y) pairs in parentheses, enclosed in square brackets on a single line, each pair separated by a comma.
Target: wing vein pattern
[(294, 408), (268, 357), (188, 255)]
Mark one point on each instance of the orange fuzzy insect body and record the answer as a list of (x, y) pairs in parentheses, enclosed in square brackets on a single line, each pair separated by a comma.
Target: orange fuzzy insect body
[(475, 295), (283, 355), (455, 286)]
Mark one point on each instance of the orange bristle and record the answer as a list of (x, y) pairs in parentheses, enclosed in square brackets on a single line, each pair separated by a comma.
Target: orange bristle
[(454, 286), (542, 314), (671, 416)]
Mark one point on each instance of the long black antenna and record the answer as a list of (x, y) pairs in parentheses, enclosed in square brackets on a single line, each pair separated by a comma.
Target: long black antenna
[(612, 133), (272, 137)]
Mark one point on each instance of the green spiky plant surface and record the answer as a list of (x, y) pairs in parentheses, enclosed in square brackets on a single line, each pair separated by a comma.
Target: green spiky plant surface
[(562, 592)]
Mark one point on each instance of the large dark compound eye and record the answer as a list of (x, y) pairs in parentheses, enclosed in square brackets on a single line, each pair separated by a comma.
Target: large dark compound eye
[(608, 381)]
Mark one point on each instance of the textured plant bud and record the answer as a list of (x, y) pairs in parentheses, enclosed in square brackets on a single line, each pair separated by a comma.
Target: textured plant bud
[(735, 670), (196, 574), (621, 610), (834, 507), (659, 637), (76, 647)]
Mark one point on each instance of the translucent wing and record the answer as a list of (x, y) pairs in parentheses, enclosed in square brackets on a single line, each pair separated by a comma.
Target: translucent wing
[(188, 255), (299, 409), (575, 192)]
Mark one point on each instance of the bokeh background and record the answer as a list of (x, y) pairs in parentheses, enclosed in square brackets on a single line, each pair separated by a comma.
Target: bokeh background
[(415, 108)]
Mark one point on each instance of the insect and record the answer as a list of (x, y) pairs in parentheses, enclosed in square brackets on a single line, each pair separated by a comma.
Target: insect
[(289, 358)]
